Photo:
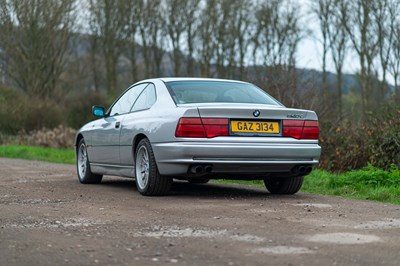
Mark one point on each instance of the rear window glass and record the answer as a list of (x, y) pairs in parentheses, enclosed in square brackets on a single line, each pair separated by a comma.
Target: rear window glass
[(217, 92)]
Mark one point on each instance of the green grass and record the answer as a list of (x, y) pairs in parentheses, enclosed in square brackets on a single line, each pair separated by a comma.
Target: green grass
[(38, 153), (369, 183)]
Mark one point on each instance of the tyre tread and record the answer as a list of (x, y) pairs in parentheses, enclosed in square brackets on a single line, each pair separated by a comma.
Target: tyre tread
[(289, 185)]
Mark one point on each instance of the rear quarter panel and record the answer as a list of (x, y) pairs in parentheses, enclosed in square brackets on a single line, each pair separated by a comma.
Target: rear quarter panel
[(158, 123)]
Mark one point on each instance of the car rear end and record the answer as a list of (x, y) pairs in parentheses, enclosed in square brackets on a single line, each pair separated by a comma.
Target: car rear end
[(238, 139)]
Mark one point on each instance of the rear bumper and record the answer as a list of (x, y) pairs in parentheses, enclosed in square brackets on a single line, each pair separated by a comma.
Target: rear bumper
[(175, 158)]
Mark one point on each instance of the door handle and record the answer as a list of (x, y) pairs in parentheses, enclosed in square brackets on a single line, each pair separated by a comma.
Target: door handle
[(117, 124)]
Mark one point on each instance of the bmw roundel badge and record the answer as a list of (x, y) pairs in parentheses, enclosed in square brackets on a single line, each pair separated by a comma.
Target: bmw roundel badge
[(256, 113)]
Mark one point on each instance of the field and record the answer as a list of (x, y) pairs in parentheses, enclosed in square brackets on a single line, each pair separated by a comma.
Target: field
[(369, 183)]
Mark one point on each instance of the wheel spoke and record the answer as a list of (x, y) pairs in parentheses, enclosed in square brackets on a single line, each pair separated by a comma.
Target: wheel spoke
[(142, 167), (82, 161)]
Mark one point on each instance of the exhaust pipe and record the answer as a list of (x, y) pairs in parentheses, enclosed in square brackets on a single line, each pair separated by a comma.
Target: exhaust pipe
[(302, 169), (308, 169), (197, 169), (208, 168)]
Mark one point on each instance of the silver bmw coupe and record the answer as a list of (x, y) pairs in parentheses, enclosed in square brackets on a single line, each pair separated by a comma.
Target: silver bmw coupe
[(198, 129)]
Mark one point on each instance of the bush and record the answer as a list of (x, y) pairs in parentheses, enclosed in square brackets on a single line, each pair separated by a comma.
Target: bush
[(79, 108), (59, 137), (353, 145), (19, 112), (383, 141)]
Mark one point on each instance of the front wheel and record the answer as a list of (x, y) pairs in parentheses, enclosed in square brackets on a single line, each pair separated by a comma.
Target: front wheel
[(284, 185), (85, 175), (148, 180)]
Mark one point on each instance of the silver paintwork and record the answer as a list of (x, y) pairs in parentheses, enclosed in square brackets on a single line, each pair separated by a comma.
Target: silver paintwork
[(111, 151)]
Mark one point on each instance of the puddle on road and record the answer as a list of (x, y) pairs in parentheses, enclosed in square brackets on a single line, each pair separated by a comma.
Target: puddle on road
[(72, 222), (283, 250), (15, 201), (200, 233), (315, 205), (343, 238), (263, 210), (23, 181), (386, 224)]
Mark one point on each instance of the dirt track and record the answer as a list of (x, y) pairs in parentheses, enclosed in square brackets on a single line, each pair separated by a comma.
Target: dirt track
[(48, 218)]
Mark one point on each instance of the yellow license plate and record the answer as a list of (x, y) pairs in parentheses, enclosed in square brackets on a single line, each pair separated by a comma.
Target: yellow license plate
[(255, 127)]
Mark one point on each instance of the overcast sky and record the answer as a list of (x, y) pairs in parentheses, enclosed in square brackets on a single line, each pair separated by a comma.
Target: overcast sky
[(310, 49)]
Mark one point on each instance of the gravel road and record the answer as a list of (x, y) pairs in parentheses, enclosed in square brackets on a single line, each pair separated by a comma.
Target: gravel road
[(48, 218)]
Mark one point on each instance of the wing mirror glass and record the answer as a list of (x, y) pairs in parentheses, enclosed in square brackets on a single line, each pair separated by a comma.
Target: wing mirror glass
[(98, 111)]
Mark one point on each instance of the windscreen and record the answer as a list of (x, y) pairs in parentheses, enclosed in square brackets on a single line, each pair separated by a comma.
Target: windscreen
[(217, 92)]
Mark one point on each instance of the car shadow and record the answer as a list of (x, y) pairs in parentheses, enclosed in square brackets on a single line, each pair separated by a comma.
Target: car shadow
[(209, 190)]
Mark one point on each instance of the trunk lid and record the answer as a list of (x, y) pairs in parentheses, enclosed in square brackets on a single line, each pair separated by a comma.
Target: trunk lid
[(254, 112)]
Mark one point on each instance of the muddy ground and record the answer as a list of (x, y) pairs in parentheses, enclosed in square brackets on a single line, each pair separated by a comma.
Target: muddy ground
[(48, 218)]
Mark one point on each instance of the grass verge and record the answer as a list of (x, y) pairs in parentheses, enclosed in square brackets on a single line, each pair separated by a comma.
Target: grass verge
[(369, 183), (37, 153)]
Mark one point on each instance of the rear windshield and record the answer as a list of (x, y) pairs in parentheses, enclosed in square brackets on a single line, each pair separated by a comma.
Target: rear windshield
[(217, 92)]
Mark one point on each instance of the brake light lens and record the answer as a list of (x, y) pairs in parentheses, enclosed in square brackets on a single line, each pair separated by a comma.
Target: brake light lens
[(202, 127), (300, 129), (192, 127)]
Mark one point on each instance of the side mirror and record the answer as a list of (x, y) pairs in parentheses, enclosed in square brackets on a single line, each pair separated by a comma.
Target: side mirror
[(98, 111)]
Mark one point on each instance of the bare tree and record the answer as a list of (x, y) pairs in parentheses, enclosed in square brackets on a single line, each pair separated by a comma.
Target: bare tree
[(338, 43), (176, 25), (233, 35), (225, 41), (394, 59), (360, 28), (207, 44), (276, 40), (278, 33), (385, 14), (243, 31), (192, 22), (323, 10), (151, 28), (108, 22), (132, 27), (34, 39)]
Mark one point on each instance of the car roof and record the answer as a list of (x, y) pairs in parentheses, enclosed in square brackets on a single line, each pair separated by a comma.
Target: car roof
[(170, 79)]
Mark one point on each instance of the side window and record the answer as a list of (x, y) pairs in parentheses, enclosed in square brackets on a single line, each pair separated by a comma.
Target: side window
[(124, 104), (146, 99)]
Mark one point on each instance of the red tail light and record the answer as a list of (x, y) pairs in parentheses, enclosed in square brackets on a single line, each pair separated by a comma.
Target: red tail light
[(202, 127), (300, 129)]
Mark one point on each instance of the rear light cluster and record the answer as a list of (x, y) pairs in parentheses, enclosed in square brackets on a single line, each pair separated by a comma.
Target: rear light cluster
[(300, 129), (202, 127), (196, 127)]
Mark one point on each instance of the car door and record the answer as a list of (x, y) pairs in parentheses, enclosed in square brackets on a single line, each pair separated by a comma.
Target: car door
[(106, 133), (139, 120)]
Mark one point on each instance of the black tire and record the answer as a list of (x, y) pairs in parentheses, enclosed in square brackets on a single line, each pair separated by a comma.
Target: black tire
[(148, 180), (85, 175), (284, 185), (198, 180)]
